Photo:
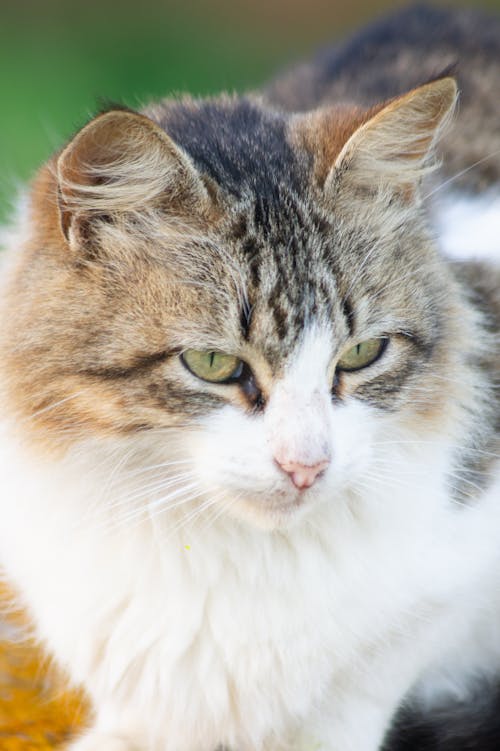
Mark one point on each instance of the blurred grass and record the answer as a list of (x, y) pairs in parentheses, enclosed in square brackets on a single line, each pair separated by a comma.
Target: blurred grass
[(54, 72), (59, 58)]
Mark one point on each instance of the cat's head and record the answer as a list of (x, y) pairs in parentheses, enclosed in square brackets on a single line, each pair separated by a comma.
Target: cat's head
[(253, 293)]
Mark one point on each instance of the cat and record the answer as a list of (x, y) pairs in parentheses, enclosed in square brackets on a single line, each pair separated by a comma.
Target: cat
[(249, 432)]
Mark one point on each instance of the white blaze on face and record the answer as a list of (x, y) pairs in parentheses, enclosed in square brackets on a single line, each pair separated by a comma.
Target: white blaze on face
[(298, 417)]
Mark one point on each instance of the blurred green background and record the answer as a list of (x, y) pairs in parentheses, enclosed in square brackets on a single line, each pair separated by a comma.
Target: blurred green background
[(59, 59)]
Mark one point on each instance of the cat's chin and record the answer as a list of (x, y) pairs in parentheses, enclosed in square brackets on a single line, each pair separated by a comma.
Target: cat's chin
[(273, 512)]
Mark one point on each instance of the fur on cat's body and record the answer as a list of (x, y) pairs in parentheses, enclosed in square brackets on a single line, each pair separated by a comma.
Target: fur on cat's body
[(261, 623)]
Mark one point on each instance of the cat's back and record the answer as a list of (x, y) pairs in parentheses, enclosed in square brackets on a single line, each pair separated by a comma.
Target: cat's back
[(402, 51)]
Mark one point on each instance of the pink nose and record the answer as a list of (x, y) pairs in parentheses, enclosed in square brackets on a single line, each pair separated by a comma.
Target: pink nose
[(303, 475)]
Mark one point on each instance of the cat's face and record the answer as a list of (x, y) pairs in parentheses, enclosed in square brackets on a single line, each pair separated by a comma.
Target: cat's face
[(272, 342), (324, 358)]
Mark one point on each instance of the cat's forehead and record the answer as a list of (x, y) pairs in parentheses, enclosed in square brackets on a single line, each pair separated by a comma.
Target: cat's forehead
[(270, 229), (279, 255), (237, 142)]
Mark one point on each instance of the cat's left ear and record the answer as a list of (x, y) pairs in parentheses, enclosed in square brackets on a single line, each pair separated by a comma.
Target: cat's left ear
[(123, 162), (394, 148)]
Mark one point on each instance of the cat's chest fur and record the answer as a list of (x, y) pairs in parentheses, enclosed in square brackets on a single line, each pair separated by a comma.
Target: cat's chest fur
[(244, 623)]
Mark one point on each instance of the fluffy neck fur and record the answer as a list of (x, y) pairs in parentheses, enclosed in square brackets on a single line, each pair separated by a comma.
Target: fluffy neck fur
[(188, 609)]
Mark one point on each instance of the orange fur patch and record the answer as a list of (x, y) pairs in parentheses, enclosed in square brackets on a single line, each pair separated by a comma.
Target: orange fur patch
[(37, 711), (324, 133)]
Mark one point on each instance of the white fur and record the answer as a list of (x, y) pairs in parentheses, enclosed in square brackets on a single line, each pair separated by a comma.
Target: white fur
[(223, 606), (468, 226)]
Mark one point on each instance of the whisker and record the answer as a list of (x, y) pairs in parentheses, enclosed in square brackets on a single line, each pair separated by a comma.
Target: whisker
[(151, 488), (162, 465), (54, 405), (134, 512), (461, 173), (211, 521), (454, 446), (190, 518)]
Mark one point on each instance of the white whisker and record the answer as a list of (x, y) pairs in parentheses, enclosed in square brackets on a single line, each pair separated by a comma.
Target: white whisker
[(461, 173)]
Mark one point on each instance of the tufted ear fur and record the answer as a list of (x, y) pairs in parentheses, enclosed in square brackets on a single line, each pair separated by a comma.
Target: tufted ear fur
[(122, 162), (394, 147)]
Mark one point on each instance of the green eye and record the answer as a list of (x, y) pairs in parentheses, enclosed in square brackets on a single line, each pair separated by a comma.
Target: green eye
[(362, 354), (215, 367)]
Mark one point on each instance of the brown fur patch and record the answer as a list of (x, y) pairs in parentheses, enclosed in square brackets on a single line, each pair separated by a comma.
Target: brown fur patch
[(324, 133)]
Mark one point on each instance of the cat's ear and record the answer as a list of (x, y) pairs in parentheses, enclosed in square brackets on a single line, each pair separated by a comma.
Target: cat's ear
[(394, 147), (123, 162)]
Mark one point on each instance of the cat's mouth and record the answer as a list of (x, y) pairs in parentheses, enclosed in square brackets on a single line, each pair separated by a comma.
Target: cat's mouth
[(287, 504), (274, 509)]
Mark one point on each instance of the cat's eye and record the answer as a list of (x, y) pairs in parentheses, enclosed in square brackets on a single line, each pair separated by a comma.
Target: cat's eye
[(362, 354), (215, 367)]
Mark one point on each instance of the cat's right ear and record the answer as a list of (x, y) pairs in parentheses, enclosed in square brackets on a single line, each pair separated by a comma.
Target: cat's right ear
[(387, 149), (120, 163), (394, 148)]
